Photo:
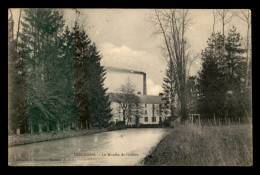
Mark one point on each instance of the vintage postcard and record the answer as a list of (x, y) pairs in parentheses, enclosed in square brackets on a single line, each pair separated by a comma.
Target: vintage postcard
[(129, 87)]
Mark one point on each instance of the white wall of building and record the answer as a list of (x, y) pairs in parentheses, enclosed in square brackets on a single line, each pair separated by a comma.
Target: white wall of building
[(116, 112), (147, 112)]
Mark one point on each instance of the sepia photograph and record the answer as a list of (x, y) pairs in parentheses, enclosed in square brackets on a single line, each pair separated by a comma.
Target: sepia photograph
[(129, 87)]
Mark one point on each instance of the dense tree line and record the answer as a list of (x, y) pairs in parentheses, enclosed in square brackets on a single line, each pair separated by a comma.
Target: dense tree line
[(220, 88), (62, 79)]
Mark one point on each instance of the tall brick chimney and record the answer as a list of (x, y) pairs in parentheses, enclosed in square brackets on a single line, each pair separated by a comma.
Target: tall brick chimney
[(144, 84)]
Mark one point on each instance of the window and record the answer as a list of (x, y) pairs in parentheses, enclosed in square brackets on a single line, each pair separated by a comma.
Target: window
[(116, 120), (145, 112), (145, 105), (130, 119), (153, 119), (146, 119)]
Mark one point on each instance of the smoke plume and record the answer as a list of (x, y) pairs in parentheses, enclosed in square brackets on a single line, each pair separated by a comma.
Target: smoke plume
[(115, 69), (120, 70)]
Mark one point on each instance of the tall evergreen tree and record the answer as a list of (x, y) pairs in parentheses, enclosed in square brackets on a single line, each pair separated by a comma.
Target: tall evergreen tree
[(81, 47), (209, 72), (212, 81), (68, 115), (222, 76), (41, 35), (93, 106), (169, 89), (98, 100), (236, 75)]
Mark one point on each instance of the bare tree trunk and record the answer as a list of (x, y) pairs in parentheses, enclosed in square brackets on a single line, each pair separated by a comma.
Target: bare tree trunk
[(174, 26), (58, 126), (183, 73), (48, 126), (87, 127), (18, 131), (81, 125), (12, 26), (223, 28), (40, 128), (248, 49), (214, 35), (124, 116), (18, 30), (31, 128)]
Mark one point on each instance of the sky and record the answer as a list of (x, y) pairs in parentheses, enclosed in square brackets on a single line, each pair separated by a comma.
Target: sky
[(125, 39)]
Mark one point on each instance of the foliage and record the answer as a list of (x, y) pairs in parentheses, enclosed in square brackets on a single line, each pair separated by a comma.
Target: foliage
[(128, 101), (116, 126), (57, 74), (172, 24), (16, 84), (81, 44), (192, 94), (169, 88), (93, 105), (222, 78), (49, 90), (99, 103)]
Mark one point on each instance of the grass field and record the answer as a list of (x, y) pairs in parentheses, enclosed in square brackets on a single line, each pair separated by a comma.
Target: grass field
[(206, 146)]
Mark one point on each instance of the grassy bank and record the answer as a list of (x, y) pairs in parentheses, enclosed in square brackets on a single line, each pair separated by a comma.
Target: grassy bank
[(14, 140), (22, 139), (206, 146)]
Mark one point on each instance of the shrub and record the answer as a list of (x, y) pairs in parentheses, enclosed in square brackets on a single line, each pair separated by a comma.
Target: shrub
[(120, 125)]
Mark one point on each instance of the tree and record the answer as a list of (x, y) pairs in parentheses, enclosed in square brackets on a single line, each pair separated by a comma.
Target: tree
[(237, 74), (81, 47), (41, 49), (225, 17), (99, 104), (128, 101), (61, 71), (222, 76), (10, 73), (18, 29), (211, 82), (245, 16), (68, 114), (192, 94), (93, 106), (17, 120), (169, 91), (172, 25)]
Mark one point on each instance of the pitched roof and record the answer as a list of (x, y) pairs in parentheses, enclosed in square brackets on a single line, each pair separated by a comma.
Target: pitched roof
[(149, 99)]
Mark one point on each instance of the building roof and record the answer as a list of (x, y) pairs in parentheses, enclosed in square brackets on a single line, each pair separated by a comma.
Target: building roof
[(149, 99)]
